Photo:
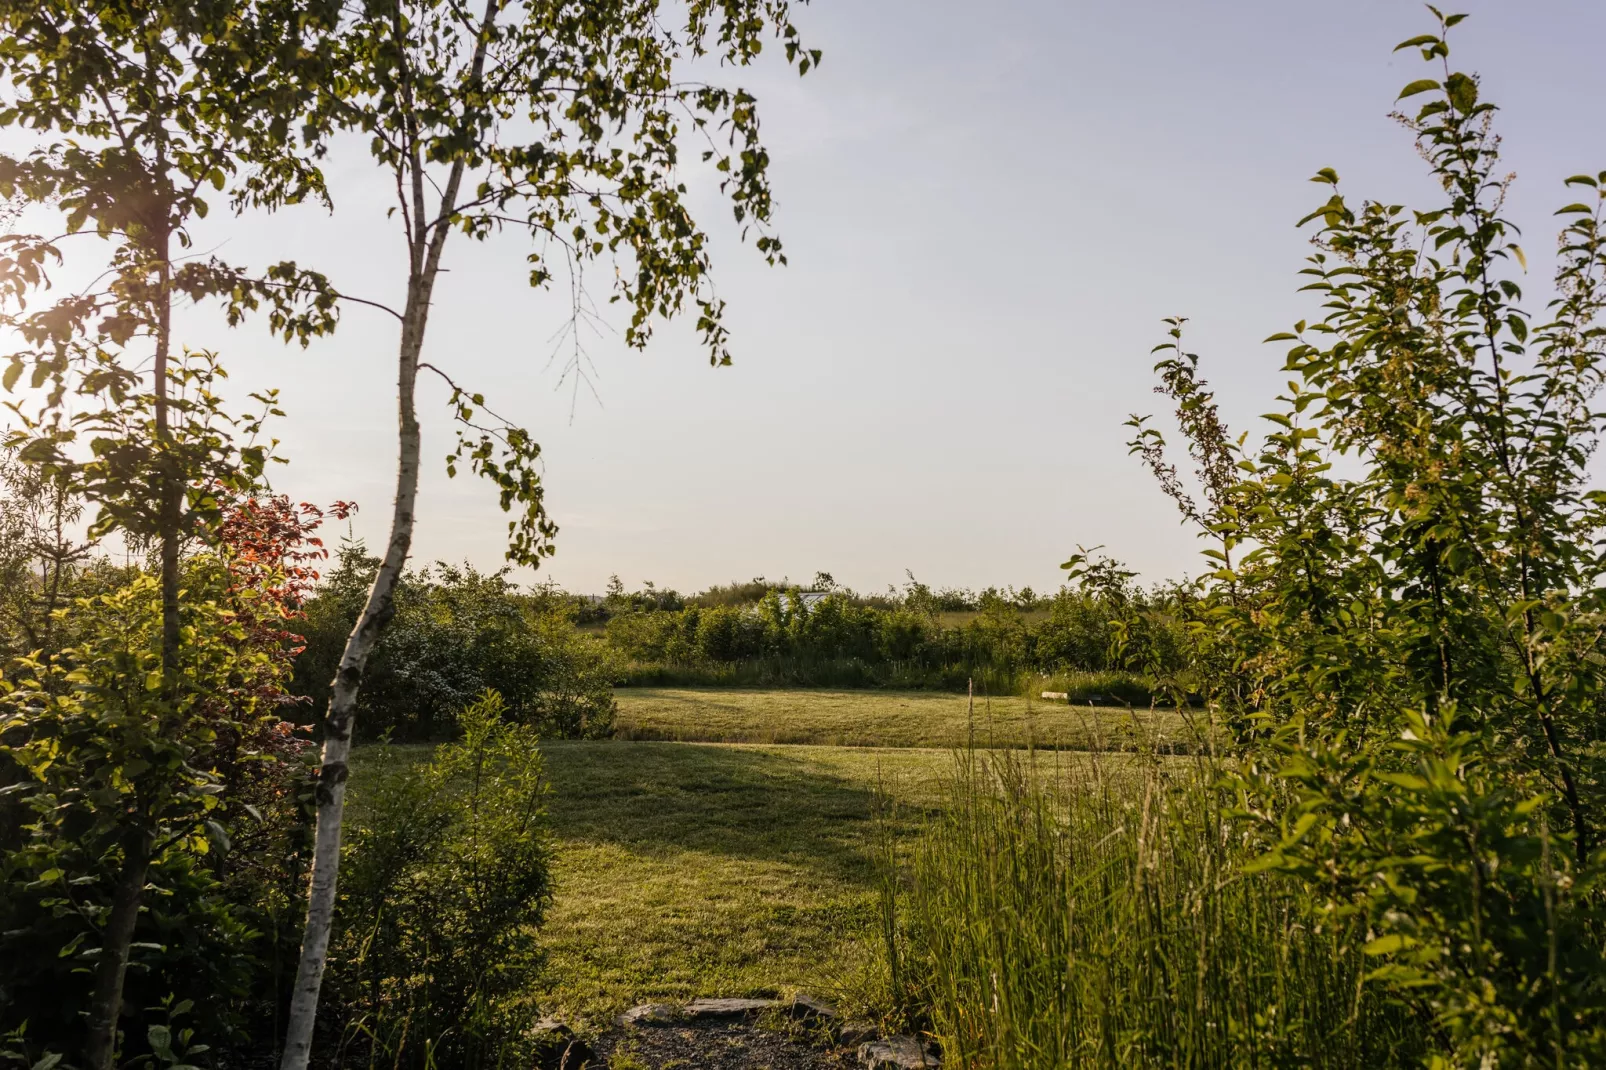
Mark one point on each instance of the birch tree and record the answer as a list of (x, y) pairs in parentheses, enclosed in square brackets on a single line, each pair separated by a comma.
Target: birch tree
[(154, 108), (565, 122)]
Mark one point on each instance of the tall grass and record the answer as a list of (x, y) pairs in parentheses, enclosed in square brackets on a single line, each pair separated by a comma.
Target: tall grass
[(1095, 912)]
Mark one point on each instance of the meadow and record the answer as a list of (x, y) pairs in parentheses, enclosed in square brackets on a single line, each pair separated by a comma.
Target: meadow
[(892, 719), (702, 864)]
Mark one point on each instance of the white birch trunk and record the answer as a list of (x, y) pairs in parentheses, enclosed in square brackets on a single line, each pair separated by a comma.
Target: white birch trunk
[(339, 722), (426, 241)]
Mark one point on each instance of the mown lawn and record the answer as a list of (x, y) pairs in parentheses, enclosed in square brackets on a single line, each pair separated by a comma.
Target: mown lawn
[(690, 869), (887, 719)]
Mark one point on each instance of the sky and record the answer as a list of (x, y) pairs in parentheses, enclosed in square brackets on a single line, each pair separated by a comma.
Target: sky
[(988, 209)]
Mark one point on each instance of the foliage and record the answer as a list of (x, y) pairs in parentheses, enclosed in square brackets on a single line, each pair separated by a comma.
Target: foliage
[(1408, 640), (1102, 919), (1103, 624), (107, 769), (445, 881), (458, 631), (41, 557), (216, 783)]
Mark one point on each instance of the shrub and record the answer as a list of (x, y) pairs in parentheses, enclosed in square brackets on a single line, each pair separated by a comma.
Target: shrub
[(442, 886), (457, 632), (111, 782), (1408, 642)]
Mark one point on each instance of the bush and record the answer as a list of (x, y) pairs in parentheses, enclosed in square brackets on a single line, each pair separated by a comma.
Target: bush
[(108, 780), (443, 882), (457, 632), (1003, 642)]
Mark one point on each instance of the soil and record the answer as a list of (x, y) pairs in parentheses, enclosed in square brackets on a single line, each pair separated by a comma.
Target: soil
[(734, 1045)]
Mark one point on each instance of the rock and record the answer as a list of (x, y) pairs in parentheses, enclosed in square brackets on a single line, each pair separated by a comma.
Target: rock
[(896, 1053), (708, 1010), (577, 1056), (854, 1033), (557, 1048), (809, 1009), (650, 1014)]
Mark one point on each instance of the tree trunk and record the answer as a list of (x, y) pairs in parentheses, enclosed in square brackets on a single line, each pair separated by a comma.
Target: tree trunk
[(338, 723), (106, 1000), (426, 241)]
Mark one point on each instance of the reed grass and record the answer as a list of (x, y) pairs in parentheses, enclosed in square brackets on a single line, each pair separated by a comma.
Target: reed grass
[(1102, 917)]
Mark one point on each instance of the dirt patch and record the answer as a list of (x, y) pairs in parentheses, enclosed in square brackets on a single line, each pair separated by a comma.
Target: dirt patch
[(720, 1046)]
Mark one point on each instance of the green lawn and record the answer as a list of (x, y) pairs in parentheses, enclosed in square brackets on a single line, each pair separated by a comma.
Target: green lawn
[(885, 719), (690, 869)]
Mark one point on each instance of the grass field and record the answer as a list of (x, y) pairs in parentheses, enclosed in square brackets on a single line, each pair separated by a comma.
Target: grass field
[(887, 719), (690, 869)]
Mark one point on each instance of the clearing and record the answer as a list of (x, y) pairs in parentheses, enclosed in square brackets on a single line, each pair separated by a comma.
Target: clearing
[(888, 719), (719, 867)]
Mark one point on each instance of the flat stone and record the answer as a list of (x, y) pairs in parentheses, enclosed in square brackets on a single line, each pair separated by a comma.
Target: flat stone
[(852, 1034), (808, 1008), (705, 1010), (651, 1014), (896, 1053)]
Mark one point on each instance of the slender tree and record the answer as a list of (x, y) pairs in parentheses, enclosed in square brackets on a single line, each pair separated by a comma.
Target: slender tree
[(155, 108), (566, 122)]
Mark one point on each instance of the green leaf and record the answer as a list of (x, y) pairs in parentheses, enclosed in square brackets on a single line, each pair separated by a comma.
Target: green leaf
[(1421, 85), (1417, 42), (13, 373), (1462, 90), (1388, 945)]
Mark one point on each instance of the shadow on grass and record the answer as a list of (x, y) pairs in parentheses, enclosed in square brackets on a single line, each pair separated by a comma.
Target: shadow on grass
[(733, 801)]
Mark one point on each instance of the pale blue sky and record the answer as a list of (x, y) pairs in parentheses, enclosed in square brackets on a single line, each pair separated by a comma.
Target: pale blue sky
[(988, 209)]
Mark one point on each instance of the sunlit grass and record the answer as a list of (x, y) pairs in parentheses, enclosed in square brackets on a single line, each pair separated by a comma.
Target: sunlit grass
[(892, 719)]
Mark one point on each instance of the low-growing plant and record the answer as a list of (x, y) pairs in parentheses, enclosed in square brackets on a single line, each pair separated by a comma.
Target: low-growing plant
[(443, 885)]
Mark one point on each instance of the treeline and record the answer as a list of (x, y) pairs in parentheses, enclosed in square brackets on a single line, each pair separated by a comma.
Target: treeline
[(555, 656), (1113, 633)]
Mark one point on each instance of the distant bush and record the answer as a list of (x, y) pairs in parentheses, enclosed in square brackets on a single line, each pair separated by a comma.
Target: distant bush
[(458, 632), (1111, 626)]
